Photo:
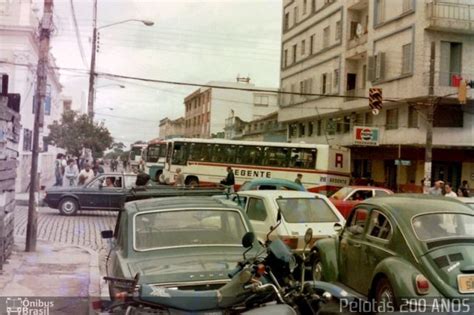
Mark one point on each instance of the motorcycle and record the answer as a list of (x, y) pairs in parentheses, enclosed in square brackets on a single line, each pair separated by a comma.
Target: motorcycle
[(262, 284)]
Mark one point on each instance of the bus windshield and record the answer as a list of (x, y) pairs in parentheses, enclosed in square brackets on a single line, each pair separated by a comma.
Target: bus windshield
[(155, 151)]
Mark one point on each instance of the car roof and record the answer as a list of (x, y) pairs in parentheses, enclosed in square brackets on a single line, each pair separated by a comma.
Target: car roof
[(271, 181), (367, 187), (466, 199), (173, 203), (279, 193), (409, 205)]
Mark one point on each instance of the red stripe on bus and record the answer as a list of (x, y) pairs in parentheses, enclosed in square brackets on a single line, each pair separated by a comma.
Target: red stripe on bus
[(294, 170)]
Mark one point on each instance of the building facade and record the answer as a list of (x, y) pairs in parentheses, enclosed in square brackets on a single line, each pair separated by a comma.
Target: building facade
[(171, 128), (207, 109), (19, 52), (334, 51), (266, 128)]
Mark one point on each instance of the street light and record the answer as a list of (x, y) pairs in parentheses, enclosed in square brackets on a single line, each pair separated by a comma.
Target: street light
[(90, 101)]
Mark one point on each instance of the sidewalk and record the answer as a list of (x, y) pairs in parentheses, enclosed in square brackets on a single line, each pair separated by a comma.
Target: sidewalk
[(22, 199), (64, 279)]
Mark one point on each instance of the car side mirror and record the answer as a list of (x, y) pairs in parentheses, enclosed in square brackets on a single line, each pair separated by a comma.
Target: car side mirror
[(248, 239), (107, 234), (337, 227)]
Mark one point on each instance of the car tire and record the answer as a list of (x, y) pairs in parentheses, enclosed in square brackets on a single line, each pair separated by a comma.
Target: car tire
[(192, 182), (68, 206), (316, 268), (385, 296)]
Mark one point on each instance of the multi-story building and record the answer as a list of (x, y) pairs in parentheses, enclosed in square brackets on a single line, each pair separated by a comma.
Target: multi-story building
[(171, 128), (19, 53), (208, 108), (266, 128), (338, 49)]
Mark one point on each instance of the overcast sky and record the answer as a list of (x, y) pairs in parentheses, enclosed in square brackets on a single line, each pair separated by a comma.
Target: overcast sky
[(191, 41)]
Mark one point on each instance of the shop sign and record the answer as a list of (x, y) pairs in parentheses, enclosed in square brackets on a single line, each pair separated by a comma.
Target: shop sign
[(366, 136)]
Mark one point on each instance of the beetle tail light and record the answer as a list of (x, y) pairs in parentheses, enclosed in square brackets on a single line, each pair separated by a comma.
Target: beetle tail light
[(291, 242), (422, 284)]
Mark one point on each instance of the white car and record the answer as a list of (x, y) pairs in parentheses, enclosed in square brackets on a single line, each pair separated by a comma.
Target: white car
[(468, 200), (300, 211)]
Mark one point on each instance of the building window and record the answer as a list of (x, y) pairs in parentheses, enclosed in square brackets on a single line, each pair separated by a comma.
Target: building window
[(364, 76), (27, 139), (407, 5), (406, 59), (338, 30), (326, 34), (391, 119), (45, 145), (295, 13), (287, 20), (331, 127), (450, 63), (323, 83), (294, 52), (261, 100), (292, 95), (291, 130), (302, 129), (301, 87), (368, 119), (310, 128), (319, 127), (311, 44), (336, 78), (359, 119), (285, 58), (305, 4), (412, 117), (346, 128), (379, 11), (313, 6), (303, 47), (448, 116)]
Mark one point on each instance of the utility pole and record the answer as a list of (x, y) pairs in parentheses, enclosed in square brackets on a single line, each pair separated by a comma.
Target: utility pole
[(90, 100), (430, 118), (40, 95)]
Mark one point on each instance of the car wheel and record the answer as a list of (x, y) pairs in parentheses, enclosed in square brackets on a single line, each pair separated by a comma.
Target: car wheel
[(316, 268), (385, 296), (68, 206), (193, 182)]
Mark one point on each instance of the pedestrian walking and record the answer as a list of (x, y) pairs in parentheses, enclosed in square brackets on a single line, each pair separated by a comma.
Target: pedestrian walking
[(58, 170), (437, 189), (86, 175), (124, 162), (298, 179), (98, 169), (463, 190), (229, 181), (71, 173), (448, 191), (179, 181)]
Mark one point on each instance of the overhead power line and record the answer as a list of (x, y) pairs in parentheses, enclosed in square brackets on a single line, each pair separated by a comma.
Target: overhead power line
[(78, 34)]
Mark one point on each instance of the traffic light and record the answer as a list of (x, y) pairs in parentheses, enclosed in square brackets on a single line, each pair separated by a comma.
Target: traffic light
[(375, 100)]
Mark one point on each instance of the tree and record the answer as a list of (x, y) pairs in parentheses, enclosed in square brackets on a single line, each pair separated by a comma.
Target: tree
[(75, 131)]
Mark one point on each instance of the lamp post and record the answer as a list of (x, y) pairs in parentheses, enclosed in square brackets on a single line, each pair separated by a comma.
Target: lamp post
[(90, 101)]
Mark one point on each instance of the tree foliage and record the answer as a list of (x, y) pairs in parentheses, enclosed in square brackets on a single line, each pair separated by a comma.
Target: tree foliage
[(75, 131)]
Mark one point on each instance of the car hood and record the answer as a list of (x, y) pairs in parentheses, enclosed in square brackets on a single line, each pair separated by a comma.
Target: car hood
[(449, 262), (188, 265)]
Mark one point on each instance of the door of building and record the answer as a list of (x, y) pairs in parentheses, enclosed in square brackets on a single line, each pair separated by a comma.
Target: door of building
[(391, 175), (447, 172)]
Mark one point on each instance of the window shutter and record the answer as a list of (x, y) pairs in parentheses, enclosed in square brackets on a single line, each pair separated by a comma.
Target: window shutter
[(310, 85), (322, 87), (444, 60), (329, 83), (380, 66), (371, 68)]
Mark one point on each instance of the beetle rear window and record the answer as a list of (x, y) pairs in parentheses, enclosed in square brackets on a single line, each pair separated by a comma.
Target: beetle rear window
[(188, 228), (302, 210), (443, 225)]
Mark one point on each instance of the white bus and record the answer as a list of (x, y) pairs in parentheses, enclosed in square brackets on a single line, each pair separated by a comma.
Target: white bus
[(135, 156), (204, 161), (155, 155)]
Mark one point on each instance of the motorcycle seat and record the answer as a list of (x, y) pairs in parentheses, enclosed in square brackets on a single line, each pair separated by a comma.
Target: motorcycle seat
[(186, 300)]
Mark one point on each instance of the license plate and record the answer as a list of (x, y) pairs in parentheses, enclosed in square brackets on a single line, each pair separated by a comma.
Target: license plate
[(466, 283)]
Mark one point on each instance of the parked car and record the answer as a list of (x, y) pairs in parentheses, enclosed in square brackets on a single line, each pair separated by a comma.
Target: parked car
[(111, 191), (347, 197), (271, 184), (468, 200), (403, 250), (182, 242), (300, 211)]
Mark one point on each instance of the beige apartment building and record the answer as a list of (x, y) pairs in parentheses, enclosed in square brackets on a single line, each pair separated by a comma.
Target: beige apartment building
[(338, 49), (207, 108), (171, 128)]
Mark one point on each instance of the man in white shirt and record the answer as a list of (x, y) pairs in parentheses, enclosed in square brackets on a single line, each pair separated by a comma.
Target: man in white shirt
[(86, 175)]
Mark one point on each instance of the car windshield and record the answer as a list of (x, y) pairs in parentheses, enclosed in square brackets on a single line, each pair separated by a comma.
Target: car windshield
[(306, 210), (443, 225), (188, 228), (342, 193)]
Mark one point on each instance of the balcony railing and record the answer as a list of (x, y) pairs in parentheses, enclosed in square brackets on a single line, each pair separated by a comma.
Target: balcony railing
[(355, 92), (451, 16)]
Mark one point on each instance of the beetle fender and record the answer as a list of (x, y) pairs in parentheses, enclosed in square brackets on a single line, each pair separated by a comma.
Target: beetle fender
[(401, 274), (327, 251)]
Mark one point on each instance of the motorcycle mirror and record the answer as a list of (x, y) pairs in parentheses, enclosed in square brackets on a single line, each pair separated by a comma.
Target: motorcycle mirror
[(337, 227), (308, 236), (248, 239)]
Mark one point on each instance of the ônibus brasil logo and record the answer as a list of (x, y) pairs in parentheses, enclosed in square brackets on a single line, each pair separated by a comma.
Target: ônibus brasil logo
[(25, 306)]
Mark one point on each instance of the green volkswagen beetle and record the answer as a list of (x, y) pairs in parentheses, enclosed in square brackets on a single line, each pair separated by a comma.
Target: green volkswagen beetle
[(180, 242), (404, 250)]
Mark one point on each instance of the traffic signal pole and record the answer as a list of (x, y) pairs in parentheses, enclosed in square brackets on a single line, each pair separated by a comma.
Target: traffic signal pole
[(40, 95), (430, 118)]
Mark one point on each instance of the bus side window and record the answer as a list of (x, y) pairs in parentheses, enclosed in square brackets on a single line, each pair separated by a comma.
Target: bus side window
[(180, 153)]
